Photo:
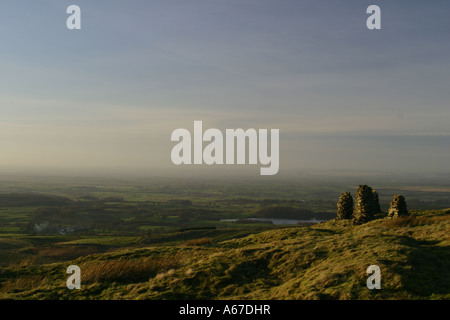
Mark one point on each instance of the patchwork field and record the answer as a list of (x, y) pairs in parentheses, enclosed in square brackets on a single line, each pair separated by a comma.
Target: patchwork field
[(163, 240)]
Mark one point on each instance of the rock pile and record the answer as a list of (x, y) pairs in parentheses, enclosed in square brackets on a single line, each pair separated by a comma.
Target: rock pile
[(367, 205), (376, 202), (398, 207), (345, 206), (364, 205)]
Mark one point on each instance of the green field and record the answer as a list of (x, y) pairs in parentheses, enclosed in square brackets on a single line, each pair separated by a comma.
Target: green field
[(164, 238)]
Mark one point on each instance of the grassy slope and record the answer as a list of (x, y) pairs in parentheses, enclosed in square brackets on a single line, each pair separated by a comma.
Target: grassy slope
[(324, 261)]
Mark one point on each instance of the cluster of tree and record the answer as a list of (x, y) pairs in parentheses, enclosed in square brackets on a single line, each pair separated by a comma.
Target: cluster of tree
[(82, 216), (99, 214)]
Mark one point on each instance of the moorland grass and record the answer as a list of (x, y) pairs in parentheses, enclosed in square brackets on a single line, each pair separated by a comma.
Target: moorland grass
[(324, 261)]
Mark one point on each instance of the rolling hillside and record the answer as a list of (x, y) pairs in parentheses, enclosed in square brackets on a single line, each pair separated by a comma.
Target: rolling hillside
[(324, 261)]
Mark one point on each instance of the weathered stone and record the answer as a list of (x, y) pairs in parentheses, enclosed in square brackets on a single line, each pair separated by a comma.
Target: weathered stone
[(376, 202), (364, 205), (398, 207), (345, 206)]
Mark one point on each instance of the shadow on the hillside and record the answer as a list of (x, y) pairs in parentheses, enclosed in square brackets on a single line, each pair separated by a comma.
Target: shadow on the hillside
[(429, 271)]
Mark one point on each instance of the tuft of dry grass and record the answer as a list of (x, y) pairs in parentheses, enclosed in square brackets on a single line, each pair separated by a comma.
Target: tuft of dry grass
[(27, 262), (67, 252), (127, 271), (23, 283), (431, 220), (198, 242), (412, 221)]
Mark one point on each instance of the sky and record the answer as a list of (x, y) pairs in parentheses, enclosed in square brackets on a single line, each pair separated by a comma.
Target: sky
[(109, 95)]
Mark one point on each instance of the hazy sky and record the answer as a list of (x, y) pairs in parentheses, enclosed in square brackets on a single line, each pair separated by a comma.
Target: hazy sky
[(110, 95)]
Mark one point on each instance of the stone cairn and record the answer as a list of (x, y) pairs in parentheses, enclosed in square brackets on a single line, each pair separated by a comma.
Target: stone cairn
[(364, 205), (398, 207), (376, 202), (345, 206)]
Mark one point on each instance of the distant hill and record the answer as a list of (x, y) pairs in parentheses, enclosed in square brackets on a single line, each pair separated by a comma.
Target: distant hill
[(324, 261)]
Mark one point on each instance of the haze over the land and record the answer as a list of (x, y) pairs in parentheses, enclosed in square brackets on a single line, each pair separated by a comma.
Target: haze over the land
[(110, 94)]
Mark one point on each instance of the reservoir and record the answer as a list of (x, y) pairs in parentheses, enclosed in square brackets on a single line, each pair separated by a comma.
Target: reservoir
[(275, 220)]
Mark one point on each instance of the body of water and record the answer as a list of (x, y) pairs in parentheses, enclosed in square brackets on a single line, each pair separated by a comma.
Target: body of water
[(276, 221)]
